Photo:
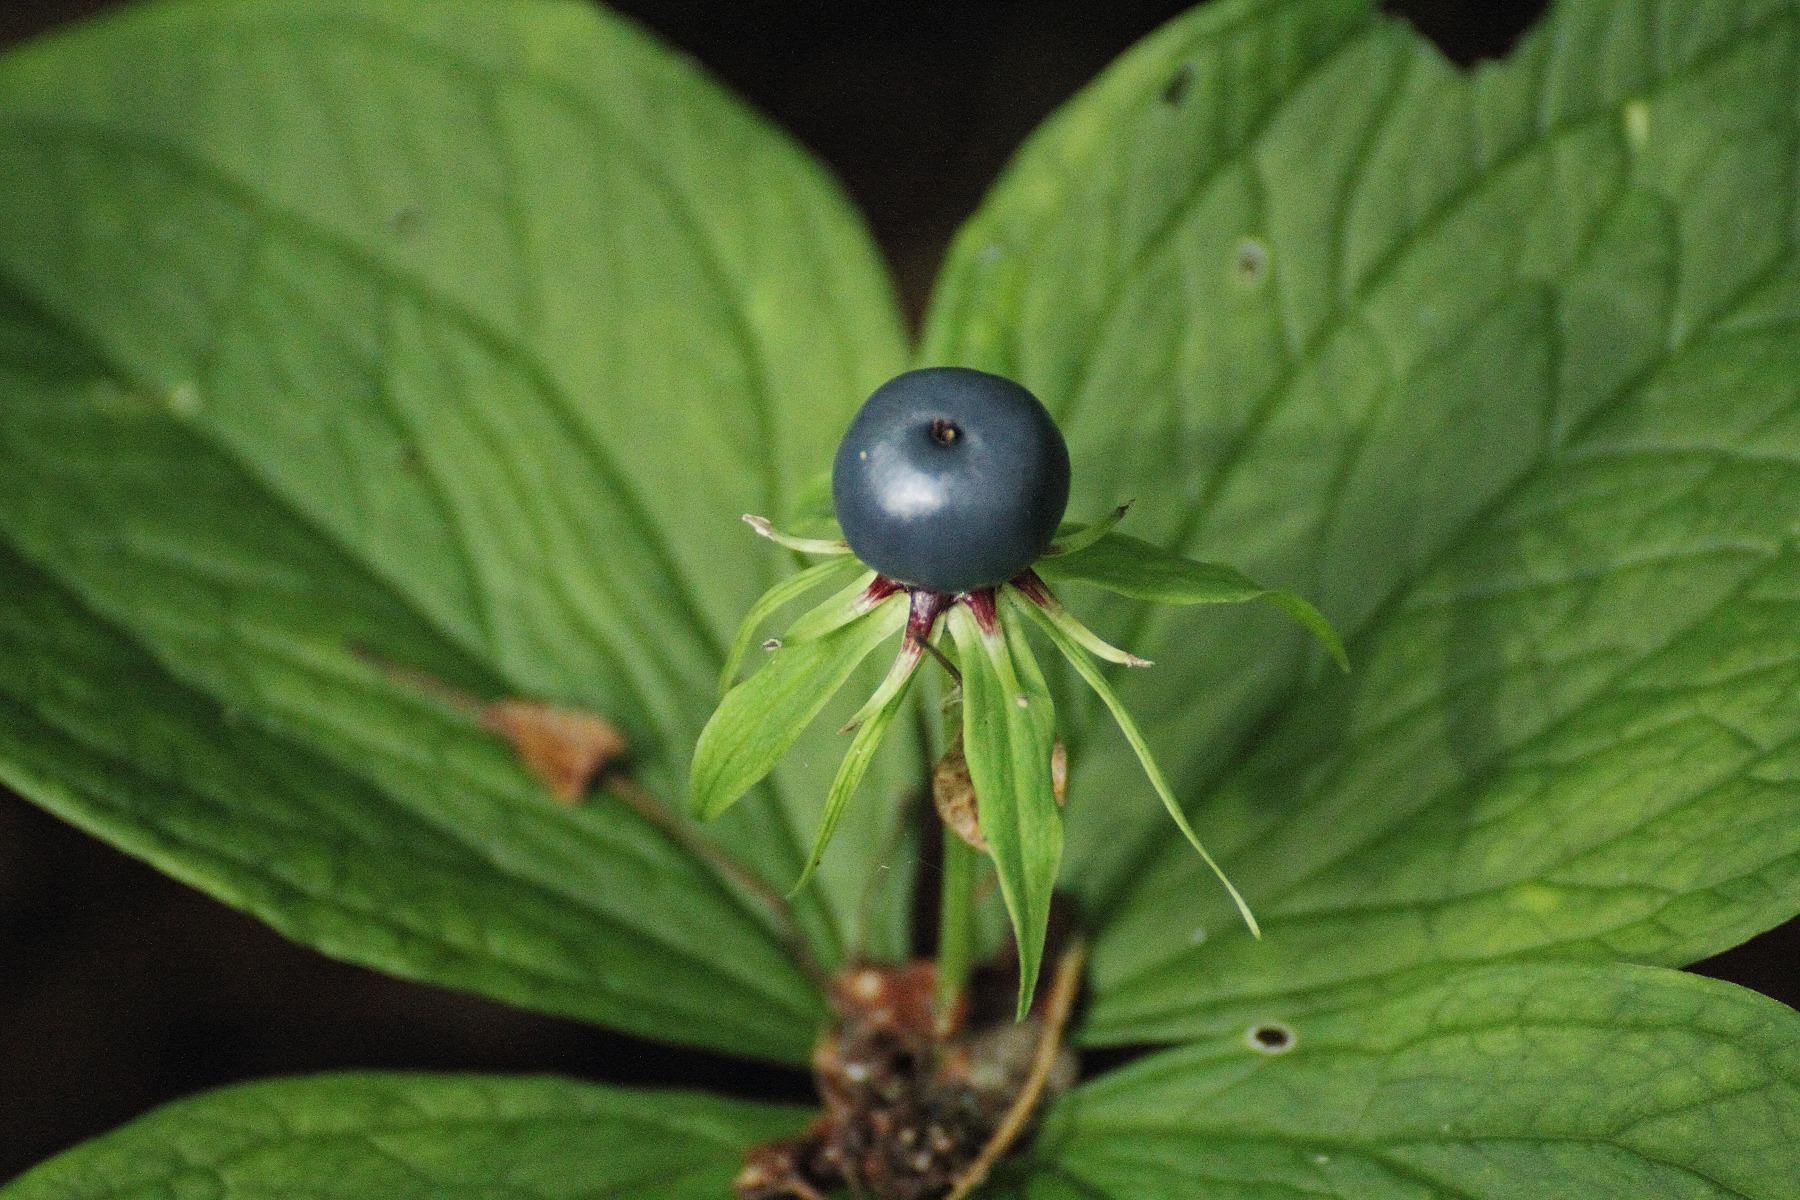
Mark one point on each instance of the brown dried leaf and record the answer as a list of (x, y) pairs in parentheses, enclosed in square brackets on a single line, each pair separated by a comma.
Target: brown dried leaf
[(565, 748), (953, 792)]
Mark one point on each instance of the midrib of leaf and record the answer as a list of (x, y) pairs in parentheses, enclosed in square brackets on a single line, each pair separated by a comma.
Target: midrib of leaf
[(267, 215), (1268, 402), (574, 1124)]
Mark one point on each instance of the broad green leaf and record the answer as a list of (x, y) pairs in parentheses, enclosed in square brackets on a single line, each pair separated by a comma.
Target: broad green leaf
[(1009, 731), (837, 570), (591, 913), (1501, 1083), (1077, 657), (761, 718), (1127, 566), (1500, 368), (442, 1137), (447, 334)]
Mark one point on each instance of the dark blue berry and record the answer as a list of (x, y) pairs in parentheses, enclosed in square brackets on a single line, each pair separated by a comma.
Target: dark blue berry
[(950, 479)]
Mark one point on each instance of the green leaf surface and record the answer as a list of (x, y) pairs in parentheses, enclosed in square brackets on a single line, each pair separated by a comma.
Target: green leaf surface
[(1009, 732), (1501, 1083), (761, 718), (1501, 368), (451, 335), (1127, 566), (400, 1137), (105, 737)]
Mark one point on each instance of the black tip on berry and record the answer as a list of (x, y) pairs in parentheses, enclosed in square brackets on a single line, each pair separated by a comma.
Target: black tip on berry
[(951, 479)]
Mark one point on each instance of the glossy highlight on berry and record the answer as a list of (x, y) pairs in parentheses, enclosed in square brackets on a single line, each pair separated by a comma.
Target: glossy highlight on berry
[(950, 479)]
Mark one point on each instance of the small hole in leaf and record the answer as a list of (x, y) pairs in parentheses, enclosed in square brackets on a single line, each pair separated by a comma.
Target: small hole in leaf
[(945, 432), (1270, 1037), (1176, 89), (1251, 262), (772, 644)]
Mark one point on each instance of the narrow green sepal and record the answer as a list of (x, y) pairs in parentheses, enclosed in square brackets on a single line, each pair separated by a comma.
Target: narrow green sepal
[(1086, 668), (788, 590), (802, 545), (844, 606), (1135, 568), (1032, 590), (871, 724), (1072, 537), (762, 717), (1008, 745)]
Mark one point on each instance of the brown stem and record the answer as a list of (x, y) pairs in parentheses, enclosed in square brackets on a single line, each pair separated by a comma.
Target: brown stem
[(451, 697), (943, 661), (1057, 1007)]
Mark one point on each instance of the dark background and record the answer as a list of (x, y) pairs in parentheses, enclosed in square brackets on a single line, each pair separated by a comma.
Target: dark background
[(120, 989)]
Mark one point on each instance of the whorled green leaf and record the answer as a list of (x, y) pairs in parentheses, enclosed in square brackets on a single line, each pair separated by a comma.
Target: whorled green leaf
[(1009, 732), (1077, 657), (1498, 367), (762, 717), (446, 1137), (445, 335), (1543, 1082), (1130, 567)]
